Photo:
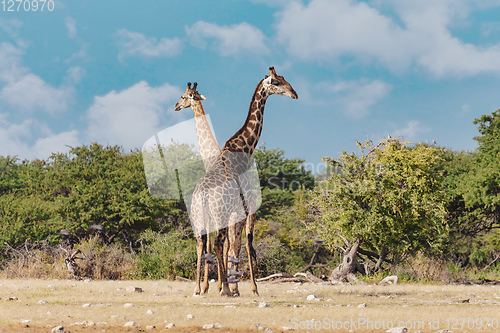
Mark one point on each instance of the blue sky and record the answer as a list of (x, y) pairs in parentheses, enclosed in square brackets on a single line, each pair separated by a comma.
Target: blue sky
[(111, 71)]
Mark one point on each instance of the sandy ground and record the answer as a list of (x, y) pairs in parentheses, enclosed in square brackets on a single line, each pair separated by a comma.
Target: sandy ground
[(106, 306)]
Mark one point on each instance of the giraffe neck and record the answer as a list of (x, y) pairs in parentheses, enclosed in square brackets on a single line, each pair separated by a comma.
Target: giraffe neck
[(208, 146), (246, 139)]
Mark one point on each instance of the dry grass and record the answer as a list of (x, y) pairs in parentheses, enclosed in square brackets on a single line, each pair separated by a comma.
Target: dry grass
[(42, 261), (171, 301)]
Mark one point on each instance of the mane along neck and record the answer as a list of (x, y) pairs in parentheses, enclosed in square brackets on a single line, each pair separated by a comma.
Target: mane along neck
[(247, 137)]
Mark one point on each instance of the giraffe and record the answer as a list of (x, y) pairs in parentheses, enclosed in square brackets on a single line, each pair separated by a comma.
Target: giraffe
[(210, 153), (216, 202), (245, 141)]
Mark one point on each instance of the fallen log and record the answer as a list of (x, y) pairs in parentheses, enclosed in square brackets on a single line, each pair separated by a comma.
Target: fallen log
[(273, 276)]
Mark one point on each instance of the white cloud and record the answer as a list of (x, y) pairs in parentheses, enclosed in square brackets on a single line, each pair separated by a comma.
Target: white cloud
[(356, 98), (274, 3), (228, 40), (325, 29), (15, 138), (412, 131), (136, 44), (55, 143), (71, 26), (10, 63), (30, 92), (330, 29), (11, 27), (130, 116), (75, 74), (26, 91)]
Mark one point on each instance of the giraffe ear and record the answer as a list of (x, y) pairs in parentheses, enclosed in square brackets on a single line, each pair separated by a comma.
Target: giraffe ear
[(202, 97)]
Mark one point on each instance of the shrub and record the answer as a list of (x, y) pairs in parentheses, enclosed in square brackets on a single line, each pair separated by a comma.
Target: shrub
[(104, 262), (41, 260), (421, 268), (165, 256), (271, 256)]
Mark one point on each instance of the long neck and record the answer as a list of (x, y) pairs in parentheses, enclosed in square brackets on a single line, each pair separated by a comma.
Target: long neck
[(208, 146), (246, 139)]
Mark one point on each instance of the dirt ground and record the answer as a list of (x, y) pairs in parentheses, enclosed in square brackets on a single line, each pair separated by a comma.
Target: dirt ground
[(106, 306)]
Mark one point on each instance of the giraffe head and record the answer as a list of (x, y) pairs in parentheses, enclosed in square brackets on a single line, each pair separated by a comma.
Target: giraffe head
[(275, 84), (188, 97)]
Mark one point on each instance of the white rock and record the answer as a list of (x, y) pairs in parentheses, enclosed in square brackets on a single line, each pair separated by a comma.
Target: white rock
[(362, 305), (264, 305), (150, 327), (261, 327), (390, 280), (216, 325), (132, 289), (190, 316), (57, 329), (311, 297), (397, 330), (128, 305), (170, 325), (131, 324), (150, 312), (86, 305), (25, 321), (42, 301)]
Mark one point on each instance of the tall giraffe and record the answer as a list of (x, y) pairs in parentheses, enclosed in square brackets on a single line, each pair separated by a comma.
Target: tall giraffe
[(210, 153), (245, 141)]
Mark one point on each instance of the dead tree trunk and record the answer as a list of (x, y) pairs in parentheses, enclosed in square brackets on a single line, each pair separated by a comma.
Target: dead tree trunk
[(383, 254), (70, 262), (349, 266)]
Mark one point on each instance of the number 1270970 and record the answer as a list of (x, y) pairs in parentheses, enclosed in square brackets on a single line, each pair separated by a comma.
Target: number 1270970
[(27, 5)]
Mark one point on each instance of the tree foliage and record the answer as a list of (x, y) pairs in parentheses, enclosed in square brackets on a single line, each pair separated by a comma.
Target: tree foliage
[(388, 197), (279, 178), (89, 185)]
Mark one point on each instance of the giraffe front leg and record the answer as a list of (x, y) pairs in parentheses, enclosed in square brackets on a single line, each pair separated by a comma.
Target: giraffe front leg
[(252, 257), (234, 251), (199, 252), (220, 237)]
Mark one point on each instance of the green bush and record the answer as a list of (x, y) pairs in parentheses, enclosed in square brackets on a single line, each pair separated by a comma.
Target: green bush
[(165, 256)]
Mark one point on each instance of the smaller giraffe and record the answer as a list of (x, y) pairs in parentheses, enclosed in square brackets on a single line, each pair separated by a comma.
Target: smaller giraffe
[(210, 153)]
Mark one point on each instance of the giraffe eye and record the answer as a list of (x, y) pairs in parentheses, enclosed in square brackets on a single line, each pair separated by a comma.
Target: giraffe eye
[(275, 82)]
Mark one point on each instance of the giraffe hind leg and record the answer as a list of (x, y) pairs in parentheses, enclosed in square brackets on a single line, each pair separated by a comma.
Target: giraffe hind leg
[(208, 250), (199, 253)]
